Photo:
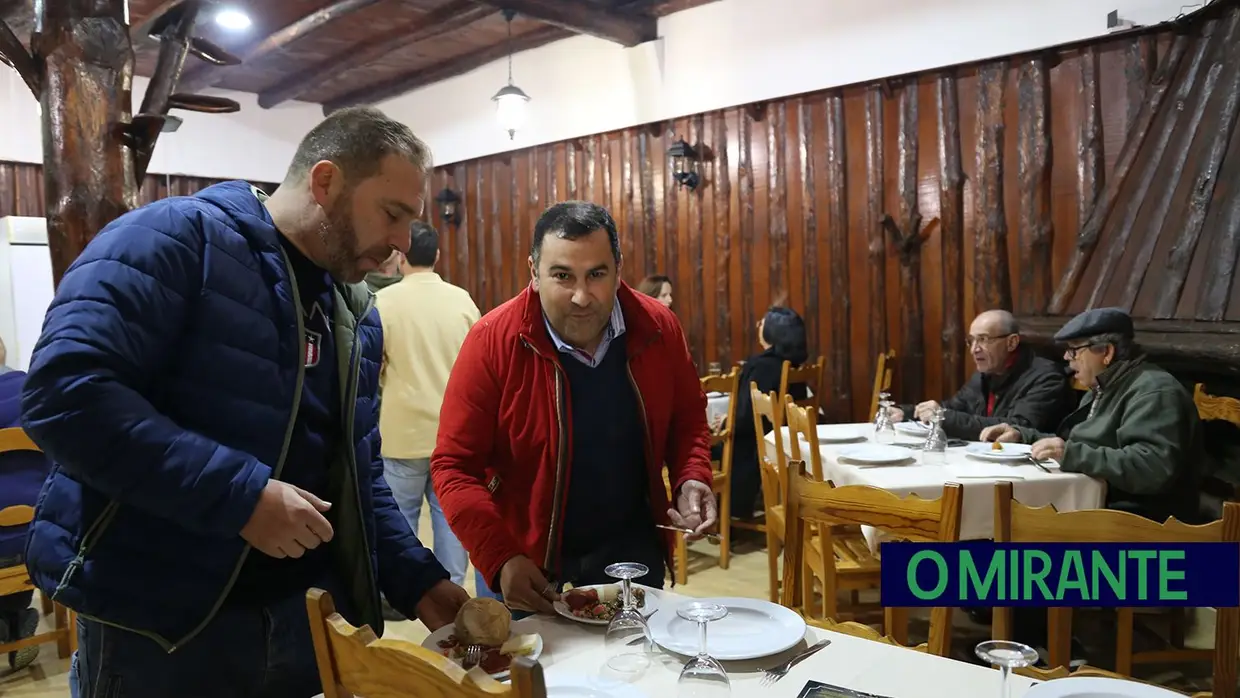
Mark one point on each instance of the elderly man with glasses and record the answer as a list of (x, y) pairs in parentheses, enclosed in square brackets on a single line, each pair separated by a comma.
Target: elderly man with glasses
[(1136, 428), (1011, 385)]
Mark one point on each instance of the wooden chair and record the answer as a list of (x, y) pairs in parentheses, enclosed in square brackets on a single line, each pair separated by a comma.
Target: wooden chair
[(16, 579), (1212, 407), (1015, 522), (821, 504), (728, 384), (774, 479), (811, 375), (353, 662), (882, 378), (862, 631), (849, 566)]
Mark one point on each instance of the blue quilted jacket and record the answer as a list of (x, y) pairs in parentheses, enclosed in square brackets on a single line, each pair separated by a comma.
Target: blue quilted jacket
[(164, 387)]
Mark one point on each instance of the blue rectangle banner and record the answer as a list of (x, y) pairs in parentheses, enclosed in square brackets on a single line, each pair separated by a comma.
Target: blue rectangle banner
[(1116, 575)]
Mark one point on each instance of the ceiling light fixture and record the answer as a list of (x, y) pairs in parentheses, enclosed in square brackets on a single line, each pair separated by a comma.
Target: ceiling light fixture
[(511, 101), (232, 18)]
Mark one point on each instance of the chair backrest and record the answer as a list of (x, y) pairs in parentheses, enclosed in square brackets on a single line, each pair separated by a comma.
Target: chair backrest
[(353, 662), (15, 439), (813, 502), (809, 374), (803, 426), (1213, 407), (860, 630), (882, 378), (774, 473), (728, 384), (1018, 523)]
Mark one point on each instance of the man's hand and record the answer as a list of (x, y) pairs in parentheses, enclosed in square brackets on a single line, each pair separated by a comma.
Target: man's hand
[(1049, 449), (525, 587), (439, 606), (695, 508), (1001, 432), (925, 410), (287, 521), (895, 414)]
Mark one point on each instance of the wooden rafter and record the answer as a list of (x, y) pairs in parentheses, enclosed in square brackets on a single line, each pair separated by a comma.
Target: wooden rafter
[(207, 76), (446, 69), (442, 20), (622, 27)]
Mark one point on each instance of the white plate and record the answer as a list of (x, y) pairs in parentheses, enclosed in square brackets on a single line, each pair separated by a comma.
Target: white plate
[(876, 453), (716, 395), (1010, 452), (590, 687), (432, 641), (913, 428), (648, 609), (840, 433), (753, 628), (1095, 687)]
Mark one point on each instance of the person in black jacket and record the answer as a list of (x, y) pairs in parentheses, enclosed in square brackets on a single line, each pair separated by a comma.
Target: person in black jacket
[(781, 332), (1011, 386)]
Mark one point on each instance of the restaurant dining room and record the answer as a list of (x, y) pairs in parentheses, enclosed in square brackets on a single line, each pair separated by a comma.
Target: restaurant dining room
[(620, 348)]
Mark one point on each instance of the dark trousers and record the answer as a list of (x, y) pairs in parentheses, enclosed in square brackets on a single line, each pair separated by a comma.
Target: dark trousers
[(247, 652)]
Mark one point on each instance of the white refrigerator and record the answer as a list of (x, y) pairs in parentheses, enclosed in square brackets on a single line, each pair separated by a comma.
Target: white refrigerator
[(25, 286)]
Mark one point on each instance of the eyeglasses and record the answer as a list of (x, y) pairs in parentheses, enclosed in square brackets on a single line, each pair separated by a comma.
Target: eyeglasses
[(1072, 352), (983, 340)]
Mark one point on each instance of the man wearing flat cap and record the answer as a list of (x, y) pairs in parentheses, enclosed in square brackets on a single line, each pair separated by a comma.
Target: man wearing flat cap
[(1137, 427)]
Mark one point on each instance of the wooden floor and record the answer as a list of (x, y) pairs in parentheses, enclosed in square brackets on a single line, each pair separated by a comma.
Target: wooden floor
[(746, 576)]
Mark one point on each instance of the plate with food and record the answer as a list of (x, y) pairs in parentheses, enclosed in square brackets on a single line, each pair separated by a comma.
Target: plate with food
[(597, 604), (488, 624), (997, 451)]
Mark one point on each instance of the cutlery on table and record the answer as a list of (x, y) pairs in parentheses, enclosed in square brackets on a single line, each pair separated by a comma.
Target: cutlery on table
[(473, 657), (770, 676), (687, 531), (1029, 457)]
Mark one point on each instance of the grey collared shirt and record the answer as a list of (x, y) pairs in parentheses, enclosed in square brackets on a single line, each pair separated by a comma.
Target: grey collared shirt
[(615, 328)]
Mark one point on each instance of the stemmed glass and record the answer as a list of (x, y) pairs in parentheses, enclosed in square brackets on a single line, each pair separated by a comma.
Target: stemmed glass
[(934, 450), (1007, 656), (884, 430), (703, 676), (628, 636)]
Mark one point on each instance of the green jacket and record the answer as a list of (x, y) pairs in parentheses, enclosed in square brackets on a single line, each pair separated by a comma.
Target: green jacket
[(1139, 432), (376, 281)]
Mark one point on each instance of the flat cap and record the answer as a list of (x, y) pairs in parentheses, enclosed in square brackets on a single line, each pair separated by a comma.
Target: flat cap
[(1095, 322)]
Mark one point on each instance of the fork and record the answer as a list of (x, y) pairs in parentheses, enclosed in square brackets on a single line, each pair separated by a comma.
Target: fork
[(1029, 457), (473, 657), (770, 676)]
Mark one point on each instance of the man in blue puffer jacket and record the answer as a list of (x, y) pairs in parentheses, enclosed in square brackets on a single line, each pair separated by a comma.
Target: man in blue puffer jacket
[(206, 386)]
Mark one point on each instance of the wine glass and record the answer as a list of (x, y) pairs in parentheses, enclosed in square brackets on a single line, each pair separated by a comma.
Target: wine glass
[(934, 450), (703, 676), (628, 636), (884, 430), (1007, 656)]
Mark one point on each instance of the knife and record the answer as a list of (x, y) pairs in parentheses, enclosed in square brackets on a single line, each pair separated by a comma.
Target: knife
[(687, 531)]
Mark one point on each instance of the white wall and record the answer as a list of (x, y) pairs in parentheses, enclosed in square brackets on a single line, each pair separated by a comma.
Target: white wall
[(719, 55), (254, 144), (739, 51)]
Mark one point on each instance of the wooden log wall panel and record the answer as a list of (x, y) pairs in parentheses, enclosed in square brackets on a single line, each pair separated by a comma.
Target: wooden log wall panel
[(1031, 149), (21, 188)]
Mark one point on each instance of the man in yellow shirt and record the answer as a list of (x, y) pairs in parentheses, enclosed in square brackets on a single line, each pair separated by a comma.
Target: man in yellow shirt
[(425, 320)]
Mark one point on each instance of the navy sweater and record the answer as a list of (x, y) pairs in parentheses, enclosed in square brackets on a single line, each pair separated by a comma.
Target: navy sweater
[(315, 437)]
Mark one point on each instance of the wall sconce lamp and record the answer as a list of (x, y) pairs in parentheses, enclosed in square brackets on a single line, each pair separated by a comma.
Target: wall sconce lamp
[(684, 158), (449, 206)]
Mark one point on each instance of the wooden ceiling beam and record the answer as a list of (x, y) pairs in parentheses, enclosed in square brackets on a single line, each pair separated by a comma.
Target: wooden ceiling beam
[(447, 69), (140, 33), (442, 20), (208, 76), (581, 17)]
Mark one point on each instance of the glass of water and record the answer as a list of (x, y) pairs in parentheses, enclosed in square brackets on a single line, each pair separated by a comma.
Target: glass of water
[(628, 636), (703, 676), (1007, 656), (884, 430), (934, 450)]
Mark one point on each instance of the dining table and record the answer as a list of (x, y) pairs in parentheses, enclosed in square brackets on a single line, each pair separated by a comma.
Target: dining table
[(574, 662), (1032, 485)]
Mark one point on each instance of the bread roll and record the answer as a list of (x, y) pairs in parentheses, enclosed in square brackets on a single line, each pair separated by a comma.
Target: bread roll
[(483, 622)]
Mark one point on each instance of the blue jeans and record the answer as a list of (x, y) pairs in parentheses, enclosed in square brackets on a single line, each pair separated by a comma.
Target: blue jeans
[(244, 651), (408, 479)]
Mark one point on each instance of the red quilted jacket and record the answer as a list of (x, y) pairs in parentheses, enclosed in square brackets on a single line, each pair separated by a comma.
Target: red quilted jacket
[(501, 464)]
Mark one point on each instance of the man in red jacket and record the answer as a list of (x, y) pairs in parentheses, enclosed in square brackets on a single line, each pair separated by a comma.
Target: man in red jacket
[(561, 411)]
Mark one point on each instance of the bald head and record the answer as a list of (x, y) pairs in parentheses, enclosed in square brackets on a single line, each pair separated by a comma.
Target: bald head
[(994, 337)]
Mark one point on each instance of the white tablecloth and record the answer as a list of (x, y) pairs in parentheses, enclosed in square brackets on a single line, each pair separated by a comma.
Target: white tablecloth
[(1066, 491), (717, 406), (575, 651)]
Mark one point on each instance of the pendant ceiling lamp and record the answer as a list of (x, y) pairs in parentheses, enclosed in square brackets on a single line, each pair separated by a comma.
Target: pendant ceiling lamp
[(511, 102)]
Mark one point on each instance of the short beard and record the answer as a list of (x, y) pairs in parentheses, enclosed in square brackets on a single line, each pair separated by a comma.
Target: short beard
[(339, 238)]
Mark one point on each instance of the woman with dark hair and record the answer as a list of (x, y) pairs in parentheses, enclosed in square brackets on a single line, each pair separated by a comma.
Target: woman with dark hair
[(658, 287), (781, 332)]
